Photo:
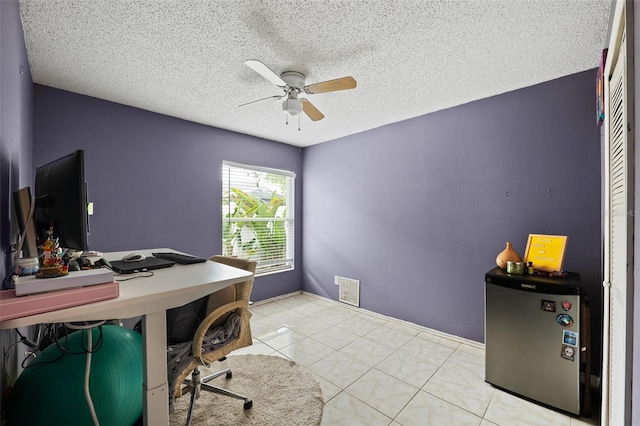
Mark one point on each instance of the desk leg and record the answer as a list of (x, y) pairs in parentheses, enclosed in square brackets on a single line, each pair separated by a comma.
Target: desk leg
[(156, 397)]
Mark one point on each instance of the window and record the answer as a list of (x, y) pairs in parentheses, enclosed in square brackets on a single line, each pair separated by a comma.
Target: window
[(257, 215)]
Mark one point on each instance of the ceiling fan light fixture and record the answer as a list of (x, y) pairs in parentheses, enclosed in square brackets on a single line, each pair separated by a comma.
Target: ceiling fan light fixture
[(292, 106)]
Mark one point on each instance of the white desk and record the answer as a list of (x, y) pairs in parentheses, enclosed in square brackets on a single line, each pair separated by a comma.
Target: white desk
[(150, 298)]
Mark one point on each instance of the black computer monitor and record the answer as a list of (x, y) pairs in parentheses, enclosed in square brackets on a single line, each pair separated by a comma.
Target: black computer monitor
[(61, 201)]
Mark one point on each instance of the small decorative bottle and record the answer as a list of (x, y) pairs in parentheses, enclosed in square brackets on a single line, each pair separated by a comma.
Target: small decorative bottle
[(530, 269), (507, 254)]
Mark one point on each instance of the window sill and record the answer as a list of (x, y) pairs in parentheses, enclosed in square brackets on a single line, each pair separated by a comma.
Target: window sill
[(271, 271)]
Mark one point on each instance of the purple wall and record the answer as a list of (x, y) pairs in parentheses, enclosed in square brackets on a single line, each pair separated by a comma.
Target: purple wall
[(16, 94), (155, 181), (16, 91), (418, 210)]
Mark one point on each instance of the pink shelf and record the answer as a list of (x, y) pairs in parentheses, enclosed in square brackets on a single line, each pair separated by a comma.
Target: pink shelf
[(12, 306)]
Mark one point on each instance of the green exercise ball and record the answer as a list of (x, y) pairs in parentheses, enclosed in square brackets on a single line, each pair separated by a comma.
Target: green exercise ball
[(50, 391)]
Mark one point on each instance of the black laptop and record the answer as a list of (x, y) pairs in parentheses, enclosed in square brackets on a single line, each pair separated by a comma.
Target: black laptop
[(147, 264)]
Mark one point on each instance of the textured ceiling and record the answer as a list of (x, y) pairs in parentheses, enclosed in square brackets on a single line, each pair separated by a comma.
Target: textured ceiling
[(185, 58)]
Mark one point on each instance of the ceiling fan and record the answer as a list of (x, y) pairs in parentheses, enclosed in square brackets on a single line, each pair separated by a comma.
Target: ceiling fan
[(293, 84)]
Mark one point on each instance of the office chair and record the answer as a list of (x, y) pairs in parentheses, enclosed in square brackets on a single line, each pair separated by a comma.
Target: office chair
[(224, 329)]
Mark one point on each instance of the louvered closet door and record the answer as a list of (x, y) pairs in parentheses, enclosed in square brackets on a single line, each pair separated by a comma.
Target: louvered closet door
[(618, 241)]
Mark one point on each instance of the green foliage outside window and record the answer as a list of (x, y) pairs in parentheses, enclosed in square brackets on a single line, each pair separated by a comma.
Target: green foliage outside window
[(254, 228)]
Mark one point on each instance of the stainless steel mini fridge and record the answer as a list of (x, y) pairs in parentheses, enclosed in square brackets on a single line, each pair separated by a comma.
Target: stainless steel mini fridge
[(532, 337)]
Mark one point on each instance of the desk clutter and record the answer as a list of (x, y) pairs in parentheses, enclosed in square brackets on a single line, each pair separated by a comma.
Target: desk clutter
[(35, 293), (32, 295)]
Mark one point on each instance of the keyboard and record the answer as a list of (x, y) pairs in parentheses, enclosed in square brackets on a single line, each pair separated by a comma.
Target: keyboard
[(183, 259)]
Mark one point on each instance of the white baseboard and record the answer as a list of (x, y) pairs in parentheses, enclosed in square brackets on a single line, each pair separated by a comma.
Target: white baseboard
[(271, 299), (458, 339)]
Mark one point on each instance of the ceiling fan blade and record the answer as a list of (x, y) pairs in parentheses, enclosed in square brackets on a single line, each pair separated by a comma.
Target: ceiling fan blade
[(262, 69), (264, 99), (311, 111), (343, 83)]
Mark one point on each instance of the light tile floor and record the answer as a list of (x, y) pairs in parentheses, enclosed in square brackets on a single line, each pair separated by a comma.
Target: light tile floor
[(376, 370)]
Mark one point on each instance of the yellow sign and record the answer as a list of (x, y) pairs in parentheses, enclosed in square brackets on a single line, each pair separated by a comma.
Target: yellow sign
[(546, 252)]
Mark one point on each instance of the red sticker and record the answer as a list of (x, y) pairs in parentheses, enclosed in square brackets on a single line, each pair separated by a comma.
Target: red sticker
[(566, 305)]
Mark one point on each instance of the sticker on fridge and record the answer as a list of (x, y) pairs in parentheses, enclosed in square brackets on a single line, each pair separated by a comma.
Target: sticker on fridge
[(570, 338), (568, 352), (564, 320), (548, 305)]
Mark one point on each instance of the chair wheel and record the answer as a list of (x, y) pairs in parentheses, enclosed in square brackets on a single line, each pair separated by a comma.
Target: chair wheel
[(229, 375), (248, 404)]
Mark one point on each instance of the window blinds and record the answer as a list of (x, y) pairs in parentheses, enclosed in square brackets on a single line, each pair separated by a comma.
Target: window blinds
[(257, 215)]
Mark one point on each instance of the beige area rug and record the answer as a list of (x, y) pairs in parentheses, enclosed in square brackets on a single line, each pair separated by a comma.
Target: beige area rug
[(283, 393)]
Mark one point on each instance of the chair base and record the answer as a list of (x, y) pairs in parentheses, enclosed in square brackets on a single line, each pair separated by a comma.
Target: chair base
[(197, 383)]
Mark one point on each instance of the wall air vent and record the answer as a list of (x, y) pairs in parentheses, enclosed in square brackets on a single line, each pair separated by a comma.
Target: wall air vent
[(349, 290)]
